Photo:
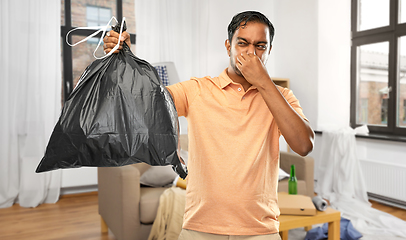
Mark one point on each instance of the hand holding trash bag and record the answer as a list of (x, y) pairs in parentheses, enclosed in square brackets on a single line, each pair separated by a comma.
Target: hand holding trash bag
[(119, 113), (111, 40)]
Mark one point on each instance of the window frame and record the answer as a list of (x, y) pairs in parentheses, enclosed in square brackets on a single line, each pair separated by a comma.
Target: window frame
[(67, 62), (389, 34), (404, 111)]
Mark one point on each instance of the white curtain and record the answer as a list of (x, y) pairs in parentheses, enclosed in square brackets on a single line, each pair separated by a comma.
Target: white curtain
[(175, 31), (340, 180), (30, 99)]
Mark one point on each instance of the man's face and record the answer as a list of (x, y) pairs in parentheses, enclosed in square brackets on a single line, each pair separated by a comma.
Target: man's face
[(254, 39)]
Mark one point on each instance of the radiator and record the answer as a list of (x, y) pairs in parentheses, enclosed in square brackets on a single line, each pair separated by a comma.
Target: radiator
[(385, 180)]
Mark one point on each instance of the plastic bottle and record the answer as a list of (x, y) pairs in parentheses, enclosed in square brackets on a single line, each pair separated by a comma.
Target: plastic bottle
[(292, 180)]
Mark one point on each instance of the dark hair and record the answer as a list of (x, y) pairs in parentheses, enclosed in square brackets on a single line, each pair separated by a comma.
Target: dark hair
[(246, 17)]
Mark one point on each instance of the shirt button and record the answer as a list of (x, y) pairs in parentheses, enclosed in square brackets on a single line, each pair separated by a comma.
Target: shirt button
[(239, 89)]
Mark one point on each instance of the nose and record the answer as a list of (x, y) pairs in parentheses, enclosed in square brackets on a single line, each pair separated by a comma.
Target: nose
[(251, 49)]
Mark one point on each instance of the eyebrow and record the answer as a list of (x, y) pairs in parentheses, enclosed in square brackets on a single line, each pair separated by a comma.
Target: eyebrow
[(260, 42)]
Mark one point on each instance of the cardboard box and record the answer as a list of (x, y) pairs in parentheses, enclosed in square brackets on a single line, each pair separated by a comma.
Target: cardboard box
[(295, 204)]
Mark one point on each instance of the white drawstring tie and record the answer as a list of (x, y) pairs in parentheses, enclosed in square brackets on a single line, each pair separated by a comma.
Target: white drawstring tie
[(99, 28)]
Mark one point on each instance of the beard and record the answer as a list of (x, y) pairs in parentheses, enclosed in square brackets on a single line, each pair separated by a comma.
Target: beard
[(234, 66)]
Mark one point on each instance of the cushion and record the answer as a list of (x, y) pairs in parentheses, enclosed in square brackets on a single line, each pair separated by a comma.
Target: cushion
[(282, 174), (149, 202), (158, 176), (163, 74)]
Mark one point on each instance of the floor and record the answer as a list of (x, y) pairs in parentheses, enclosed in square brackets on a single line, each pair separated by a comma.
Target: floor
[(75, 217)]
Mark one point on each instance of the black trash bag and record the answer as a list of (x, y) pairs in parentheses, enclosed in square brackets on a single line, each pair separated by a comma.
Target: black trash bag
[(120, 113)]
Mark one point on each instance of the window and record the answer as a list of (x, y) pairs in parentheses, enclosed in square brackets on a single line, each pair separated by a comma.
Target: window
[(97, 16), (81, 13), (378, 65), (367, 14), (363, 113)]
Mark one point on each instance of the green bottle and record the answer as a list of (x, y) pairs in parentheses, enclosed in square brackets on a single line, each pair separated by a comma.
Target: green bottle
[(292, 180)]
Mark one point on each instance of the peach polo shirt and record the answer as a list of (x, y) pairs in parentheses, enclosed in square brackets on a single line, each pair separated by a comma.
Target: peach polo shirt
[(233, 156)]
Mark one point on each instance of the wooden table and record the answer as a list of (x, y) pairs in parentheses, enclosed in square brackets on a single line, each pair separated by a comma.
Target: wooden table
[(330, 216)]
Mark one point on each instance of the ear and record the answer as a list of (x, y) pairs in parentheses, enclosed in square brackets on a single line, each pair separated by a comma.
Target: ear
[(270, 48), (228, 46)]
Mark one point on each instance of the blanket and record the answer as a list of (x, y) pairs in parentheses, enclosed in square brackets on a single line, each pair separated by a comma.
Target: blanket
[(169, 218), (340, 180)]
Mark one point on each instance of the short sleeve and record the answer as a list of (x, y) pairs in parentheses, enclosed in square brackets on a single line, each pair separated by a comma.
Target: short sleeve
[(183, 94), (293, 101)]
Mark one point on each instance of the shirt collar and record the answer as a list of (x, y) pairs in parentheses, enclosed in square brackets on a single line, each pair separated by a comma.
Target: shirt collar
[(225, 80)]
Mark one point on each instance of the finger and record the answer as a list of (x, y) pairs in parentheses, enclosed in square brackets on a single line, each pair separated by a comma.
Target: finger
[(114, 34), (127, 39), (110, 39), (109, 45), (242, 55), (247, 55), (109, 34), (239, 67), (125, 36), (239, 60), (107, 50)]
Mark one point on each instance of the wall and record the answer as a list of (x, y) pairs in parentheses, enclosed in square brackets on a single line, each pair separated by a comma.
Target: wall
[(334, 38), (83, 176), (312, 48), (295, 51)]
